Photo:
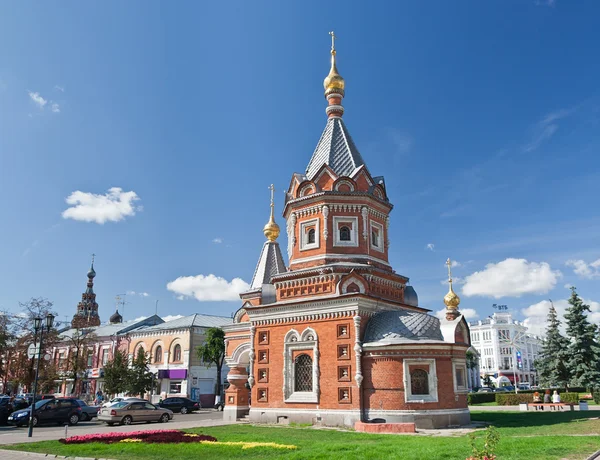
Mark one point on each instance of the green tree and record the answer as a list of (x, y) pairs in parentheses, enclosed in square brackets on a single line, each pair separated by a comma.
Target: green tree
[(583, 351), (551, 364), (212, 351), (116, 374), (139, 377), (79, 342)]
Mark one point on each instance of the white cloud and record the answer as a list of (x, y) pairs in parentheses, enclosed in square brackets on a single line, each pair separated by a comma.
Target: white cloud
[(59, 88), (455, 280), (545, 128), (430, 246), (37, 99), (217, 240), (455, 263), (55, 107), (168, 318), (208, 288), (511, 278), (583, 269), (549, 3), (114, 206), (468, 313), (141, 294)]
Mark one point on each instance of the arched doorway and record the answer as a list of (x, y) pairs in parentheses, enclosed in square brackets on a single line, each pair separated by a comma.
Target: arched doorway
[(237, 395)]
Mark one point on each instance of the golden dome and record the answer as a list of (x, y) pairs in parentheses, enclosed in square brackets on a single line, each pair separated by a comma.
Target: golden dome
[(451, 299), (334, 80), (271, 229)]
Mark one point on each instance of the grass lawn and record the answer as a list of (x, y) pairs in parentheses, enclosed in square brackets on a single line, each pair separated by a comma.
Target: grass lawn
[(528, 436)]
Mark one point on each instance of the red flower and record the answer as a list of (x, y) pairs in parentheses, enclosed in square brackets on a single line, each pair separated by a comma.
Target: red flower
[(149, 436)]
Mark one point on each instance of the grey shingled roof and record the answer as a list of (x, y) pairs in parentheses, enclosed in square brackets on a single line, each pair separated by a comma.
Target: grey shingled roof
[(196, 320), (401, 326), (336, 149), (270, 263), (106, 330)]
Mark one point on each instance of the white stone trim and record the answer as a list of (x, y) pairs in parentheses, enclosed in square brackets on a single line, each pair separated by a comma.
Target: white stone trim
[(304, 245), (299, 342), (325, 216), (380, 240), (353, 224), (252, 355), (358, 378), (460, 364), (342, 287), (432, 397), (344, 182), (339, 256), (234, 359), (365, 218), (373, 413)]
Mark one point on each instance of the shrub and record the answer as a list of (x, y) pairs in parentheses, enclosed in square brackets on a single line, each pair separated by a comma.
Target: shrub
[(569, 397), (478, 398), (596, 395), (490, 442), (512, 399)]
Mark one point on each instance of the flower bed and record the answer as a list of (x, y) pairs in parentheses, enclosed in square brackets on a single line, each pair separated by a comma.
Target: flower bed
[(148, 436)]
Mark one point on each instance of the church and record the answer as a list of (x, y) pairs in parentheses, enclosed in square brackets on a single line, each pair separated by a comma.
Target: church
[(337, 337)]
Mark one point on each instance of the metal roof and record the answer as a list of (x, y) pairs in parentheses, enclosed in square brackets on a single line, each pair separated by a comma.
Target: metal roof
[(195, 320), (336, 149), (399, 326), (270, 263), (106, 330)]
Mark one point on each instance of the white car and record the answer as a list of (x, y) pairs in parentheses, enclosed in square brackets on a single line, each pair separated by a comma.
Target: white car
[(119, 399)]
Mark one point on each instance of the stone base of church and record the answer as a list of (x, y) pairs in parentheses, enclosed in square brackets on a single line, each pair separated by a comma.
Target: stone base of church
[(233, 413), (327, 417), (423, 419)]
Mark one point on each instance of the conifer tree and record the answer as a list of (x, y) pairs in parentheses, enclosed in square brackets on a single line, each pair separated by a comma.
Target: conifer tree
[(116, 373), (584, 351), (551, 364), (140, 378)]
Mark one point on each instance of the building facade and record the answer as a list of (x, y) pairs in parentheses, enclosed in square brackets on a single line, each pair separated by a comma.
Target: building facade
[(172, 347), (507, 350), (337, 336)]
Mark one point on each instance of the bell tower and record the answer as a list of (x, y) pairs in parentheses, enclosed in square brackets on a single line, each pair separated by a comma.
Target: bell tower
[(87, 308)]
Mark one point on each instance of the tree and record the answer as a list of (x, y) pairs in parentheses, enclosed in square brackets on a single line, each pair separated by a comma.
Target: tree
[(554, 354), (583, 351), (116, 373), (79, 343), (140, 378), (212, 351)]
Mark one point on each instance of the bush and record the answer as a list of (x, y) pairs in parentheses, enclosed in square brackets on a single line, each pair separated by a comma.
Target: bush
[(512, 399), (596, 395), (479, 398), (570, 397)]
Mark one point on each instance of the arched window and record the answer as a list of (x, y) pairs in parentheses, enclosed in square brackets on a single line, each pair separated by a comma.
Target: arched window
[(419, 382), (352, 287), (177, 353), (303, 373), (158, 355), (311, 236), (345, 234)]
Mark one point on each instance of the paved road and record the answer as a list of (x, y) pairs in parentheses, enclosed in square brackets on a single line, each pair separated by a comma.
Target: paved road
[(516, 408), (13, 435)]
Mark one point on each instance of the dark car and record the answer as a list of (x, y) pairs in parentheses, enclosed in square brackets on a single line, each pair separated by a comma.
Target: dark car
[(5, 409), (57, 411), (20, 403), (87, 412), (183, 405)]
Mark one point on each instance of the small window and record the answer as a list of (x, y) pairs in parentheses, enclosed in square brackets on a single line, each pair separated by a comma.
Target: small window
[(419, 382), (310, 238), (303, 373), (345, 233), (158, 354), (104, 356), (177, 353), (460, 377), (375, 238), (175, 387), (90, 359)]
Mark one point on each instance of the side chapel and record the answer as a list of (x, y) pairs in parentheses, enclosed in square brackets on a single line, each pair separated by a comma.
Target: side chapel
[(338, 336)]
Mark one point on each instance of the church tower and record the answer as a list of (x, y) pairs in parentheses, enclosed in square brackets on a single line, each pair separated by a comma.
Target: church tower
[(338, 337), (87, 308)]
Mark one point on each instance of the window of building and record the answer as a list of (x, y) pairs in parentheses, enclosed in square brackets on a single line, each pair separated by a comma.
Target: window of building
[(303, 373), (459, 368), (90, 358), (309, 234), (177, 353), (419, 382), (175, 386), (104, 356), (158, 355), (377, 236), (61, 359), (310, 239), (345, 233)]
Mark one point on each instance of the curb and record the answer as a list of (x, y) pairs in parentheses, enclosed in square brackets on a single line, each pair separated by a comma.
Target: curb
[(594, 456)]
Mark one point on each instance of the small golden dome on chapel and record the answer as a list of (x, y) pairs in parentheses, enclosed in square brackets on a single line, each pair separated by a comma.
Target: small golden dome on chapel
[(271, 229), (334, 81), (452, 300)]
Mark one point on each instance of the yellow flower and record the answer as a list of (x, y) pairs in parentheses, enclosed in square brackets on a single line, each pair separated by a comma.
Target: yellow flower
[(250, 445), (130, 440)]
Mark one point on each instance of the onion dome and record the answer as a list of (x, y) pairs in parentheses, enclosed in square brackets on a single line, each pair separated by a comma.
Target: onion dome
[(334, 86), (271, 229), (116, 318), (451, 299), (92, 272)]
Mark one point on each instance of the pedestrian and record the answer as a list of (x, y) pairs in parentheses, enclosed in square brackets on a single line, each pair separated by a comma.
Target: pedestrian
[(555, 397), (547, 398)]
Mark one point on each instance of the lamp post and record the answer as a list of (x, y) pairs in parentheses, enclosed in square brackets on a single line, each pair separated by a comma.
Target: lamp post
[(38, 326)]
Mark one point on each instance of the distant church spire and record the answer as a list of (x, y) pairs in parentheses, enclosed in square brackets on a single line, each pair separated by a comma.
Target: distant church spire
[(334, 85), (451, 299), (271, 229), (87, 308)]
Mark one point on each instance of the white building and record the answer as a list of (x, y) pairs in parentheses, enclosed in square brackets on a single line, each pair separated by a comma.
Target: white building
[(507, 351)]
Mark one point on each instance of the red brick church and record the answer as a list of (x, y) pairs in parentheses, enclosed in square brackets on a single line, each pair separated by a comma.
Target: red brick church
[(338, 336)]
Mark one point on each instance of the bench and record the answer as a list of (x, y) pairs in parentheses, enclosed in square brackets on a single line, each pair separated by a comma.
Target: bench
[(552, 406)]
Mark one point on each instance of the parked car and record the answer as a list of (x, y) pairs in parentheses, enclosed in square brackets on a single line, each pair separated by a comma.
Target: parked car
[(20, 403), (87, 412), (502, 390), (119, 399), (128, 412), (48, 411), (485, 390), (183, 405), (5, 409)]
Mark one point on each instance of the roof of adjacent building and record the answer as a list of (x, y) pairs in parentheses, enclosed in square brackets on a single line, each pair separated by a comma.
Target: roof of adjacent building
[(195, 320), (106, 330), (401, 326), (270, 263), (336, 149)]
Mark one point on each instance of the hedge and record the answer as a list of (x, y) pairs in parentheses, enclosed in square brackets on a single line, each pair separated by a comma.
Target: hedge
[(597, 395), (479, 398), (512, 399)]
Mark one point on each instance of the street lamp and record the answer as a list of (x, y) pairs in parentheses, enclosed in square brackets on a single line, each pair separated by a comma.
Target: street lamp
[(37, 325)]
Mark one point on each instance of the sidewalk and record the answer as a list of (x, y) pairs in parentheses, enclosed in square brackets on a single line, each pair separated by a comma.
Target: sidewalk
[(16, 455), (516, 408)]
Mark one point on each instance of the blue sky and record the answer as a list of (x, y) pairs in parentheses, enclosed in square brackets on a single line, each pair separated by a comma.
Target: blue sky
[(484, 118)]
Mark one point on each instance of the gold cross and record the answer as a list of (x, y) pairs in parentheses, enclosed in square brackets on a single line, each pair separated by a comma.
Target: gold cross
[(449, 269), (333, 37), (272, 188), (93, 256)]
